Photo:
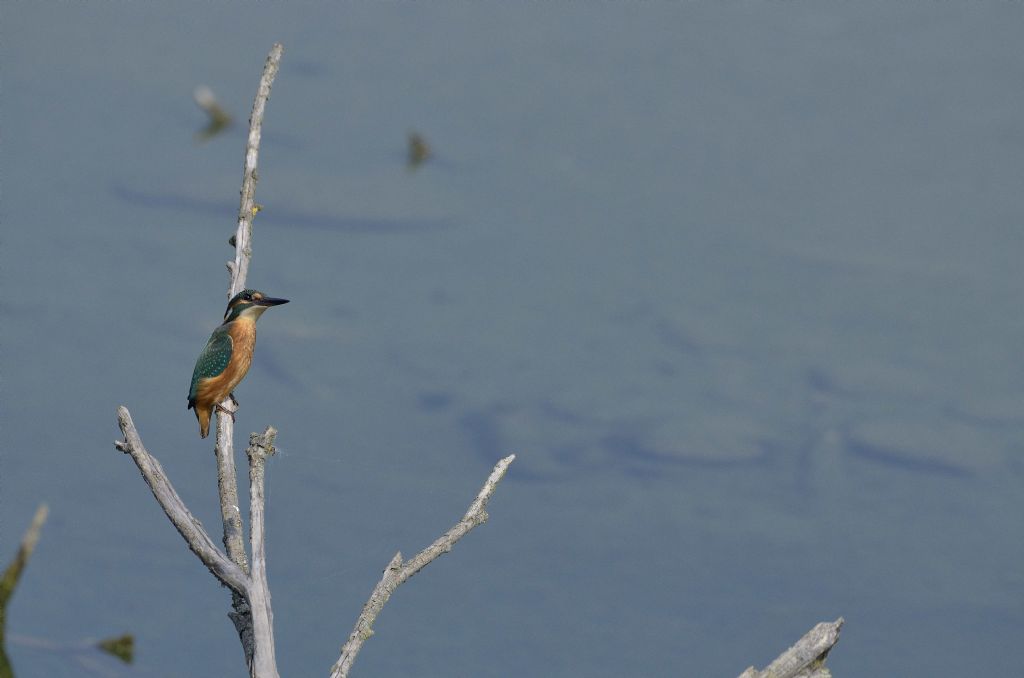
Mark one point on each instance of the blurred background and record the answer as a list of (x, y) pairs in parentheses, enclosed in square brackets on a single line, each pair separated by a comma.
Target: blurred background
[(740, 284)]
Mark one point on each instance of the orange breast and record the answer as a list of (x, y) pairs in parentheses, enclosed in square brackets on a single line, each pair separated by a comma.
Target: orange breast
[(216, 389)]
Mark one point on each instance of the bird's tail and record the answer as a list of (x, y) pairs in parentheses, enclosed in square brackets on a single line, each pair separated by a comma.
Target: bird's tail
[(203, 415)]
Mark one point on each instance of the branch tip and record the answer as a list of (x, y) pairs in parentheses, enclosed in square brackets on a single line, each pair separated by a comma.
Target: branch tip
[(261, 445), (398, 572)]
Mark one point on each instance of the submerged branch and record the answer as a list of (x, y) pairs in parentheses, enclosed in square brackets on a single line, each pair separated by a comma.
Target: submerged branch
[(10, 578)]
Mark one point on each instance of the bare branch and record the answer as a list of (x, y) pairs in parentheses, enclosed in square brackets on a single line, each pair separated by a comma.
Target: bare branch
[(227, 481), (397, 572), (239, 269), (227, 486), (261, 446), (187, 525), (231, 517), (806, 659), (247, 209), (251, 611)]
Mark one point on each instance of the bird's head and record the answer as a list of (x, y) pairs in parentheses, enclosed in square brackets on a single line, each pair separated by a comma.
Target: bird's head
[(250, 304)]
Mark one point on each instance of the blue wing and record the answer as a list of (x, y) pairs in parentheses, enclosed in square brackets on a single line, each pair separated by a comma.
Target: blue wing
[(212, 361)]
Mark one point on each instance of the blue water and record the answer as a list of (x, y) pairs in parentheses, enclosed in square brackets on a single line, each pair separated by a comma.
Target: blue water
[(739, 284)]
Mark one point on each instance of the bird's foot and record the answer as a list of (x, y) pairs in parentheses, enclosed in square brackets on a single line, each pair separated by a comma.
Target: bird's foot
[(230, 413), (234, 401)]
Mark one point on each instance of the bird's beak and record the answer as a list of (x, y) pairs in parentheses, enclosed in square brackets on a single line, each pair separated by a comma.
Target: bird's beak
[(271, 301)]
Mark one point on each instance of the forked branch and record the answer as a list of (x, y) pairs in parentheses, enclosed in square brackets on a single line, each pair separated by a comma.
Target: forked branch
[(188, 526), (251, 611)]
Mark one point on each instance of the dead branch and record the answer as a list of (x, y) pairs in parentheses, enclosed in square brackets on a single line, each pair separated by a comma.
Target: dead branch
[(806, 659), (397, 572)]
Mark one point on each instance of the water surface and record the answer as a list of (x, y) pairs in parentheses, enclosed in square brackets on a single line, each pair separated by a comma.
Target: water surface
[(739, 284)]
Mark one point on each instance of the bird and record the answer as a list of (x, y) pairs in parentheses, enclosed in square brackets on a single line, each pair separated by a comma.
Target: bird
[(227, 356)]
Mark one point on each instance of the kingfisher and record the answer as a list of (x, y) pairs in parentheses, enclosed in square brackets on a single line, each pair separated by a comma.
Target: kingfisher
[(227, 356)]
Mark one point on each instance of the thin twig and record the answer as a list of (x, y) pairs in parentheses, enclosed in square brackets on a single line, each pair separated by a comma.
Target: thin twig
[(247, 209), (806, 659), (397, 572), (187, 525)]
